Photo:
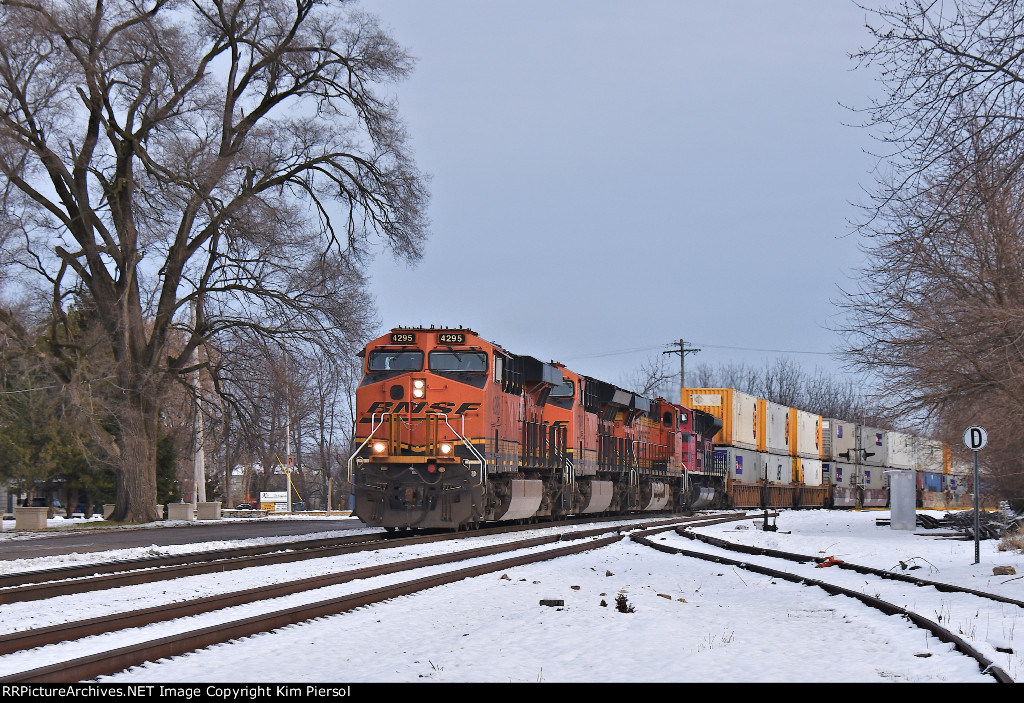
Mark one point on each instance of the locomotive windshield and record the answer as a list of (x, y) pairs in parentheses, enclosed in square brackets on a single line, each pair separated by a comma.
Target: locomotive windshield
[(565, 390), (408, 360), (458, 361)]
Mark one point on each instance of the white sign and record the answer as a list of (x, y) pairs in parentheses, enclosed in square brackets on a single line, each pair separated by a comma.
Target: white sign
[(274, 497), (975, 438)]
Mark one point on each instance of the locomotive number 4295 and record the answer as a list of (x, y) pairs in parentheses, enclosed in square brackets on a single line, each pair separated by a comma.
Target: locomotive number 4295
[(451, 338)]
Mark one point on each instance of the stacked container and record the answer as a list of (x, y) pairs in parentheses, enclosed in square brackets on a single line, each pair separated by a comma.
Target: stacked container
[(807, 438), (744, 465), (809, 472), (780, 468), (931, 457), (838, 437), (798, 454), (874, 442), (777, 434), (902, 451), (736, 410)]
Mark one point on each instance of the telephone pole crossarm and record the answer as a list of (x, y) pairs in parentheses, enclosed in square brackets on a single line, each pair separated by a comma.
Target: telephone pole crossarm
[(682, 351)]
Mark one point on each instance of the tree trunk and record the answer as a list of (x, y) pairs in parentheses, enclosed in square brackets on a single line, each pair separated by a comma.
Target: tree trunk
[(136, 470)]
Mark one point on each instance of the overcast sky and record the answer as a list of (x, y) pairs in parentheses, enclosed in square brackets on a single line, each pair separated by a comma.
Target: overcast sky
[(612, 175)]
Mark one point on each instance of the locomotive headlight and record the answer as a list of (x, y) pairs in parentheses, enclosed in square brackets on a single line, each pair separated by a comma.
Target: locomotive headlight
[(379, 447), (419, 387), (446, 448)]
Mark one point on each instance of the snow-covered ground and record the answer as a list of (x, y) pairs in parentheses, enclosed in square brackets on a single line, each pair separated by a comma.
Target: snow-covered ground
[(689, 620)]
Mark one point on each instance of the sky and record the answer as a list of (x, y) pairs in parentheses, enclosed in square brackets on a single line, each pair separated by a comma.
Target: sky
[(609, 177), (692, 620)]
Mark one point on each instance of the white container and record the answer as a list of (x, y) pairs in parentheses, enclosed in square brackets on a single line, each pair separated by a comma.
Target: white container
[(736, 410), (837, 437), (780, 468), (777, 428), (872, 477), (874, 442), (838, 473), (744, 465), (808, 435), (901, 451), (809, 471)]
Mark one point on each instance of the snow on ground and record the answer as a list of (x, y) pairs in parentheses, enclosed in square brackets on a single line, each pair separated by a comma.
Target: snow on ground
[(689, 620), (66, 526)]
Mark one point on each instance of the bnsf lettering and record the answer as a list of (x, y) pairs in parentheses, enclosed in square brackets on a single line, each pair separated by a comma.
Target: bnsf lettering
[(403, 407), (386, 406), (441, 407)]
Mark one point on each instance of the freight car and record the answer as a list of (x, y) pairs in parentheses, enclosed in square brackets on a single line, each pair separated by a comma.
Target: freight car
[(454, 430), (782, 457)]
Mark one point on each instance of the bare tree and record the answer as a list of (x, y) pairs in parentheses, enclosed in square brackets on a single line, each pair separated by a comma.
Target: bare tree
[(950, 70), (654, 379), (740, 376), (938, 314), (232, 153), (781, 381)]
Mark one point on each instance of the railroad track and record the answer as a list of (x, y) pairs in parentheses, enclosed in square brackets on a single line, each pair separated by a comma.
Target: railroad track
[(942, 633), (110, 662), (50, 583)]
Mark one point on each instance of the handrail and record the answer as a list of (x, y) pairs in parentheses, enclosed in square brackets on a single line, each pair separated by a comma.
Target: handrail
[(374, 426), (469, 445), (461, 435)]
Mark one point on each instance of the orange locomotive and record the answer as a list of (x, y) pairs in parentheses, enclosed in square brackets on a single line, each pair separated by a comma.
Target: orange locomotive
[(454, 430)]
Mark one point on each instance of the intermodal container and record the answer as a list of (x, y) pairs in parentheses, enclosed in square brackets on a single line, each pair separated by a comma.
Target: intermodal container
[(777, 428), (839, 473), (780, 468), (744, 465), (930, 481), (873, 476), (736, 410), (901, 451), (808, 471), (838, 437), (808, 434), (874, 442)]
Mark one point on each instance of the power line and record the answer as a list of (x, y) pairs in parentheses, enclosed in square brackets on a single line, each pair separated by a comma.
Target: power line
[(613, 353), (710, 346), (776, 351)]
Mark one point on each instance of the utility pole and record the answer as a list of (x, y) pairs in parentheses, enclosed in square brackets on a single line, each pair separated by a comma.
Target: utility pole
[(682, 351), (199, 458), (290, 459)]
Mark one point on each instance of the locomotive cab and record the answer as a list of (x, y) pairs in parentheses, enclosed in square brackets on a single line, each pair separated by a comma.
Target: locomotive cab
[(420, 401)]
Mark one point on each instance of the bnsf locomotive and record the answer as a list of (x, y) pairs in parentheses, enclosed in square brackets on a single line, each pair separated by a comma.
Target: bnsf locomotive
[(454, 430)]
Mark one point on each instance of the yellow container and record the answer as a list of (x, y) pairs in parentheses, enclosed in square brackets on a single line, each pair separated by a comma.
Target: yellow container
[(741, 414)]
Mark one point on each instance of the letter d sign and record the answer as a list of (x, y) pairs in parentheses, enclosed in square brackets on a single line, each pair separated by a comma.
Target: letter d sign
[(975, 438)]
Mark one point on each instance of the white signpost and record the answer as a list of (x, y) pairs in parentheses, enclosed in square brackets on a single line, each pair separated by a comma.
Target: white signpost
[(975, 439)]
